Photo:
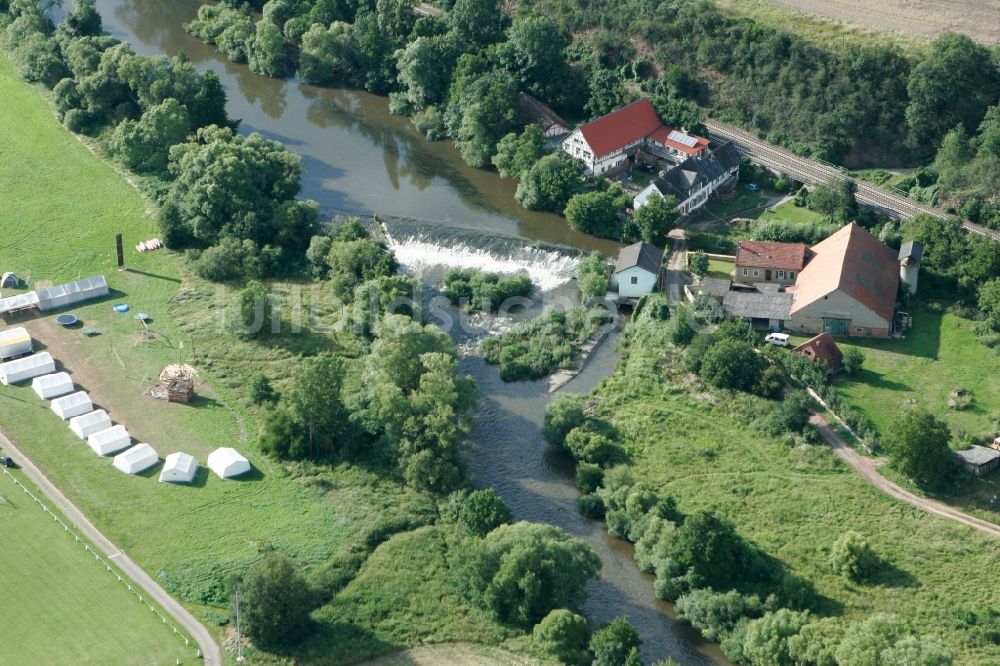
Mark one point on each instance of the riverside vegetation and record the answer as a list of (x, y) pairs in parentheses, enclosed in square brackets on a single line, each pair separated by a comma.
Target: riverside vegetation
[(355, 534), (710, 481), (458, 75)]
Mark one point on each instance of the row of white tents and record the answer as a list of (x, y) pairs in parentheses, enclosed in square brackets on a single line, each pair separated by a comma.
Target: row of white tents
[(95, 426), (58, 296)]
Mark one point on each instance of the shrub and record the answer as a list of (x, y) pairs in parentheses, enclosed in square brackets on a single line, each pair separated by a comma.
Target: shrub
[(261, 391), (564, 413), (591, 506), (589, 476), (479, 290), (563, 635), (482, 511), (731, 364), (698, 263), (613, 644), (275, 603), (255, 309), (766, 640), (852, 556), (716, 614), (853, 360), (771, 383), (593, 447), (431, 123)]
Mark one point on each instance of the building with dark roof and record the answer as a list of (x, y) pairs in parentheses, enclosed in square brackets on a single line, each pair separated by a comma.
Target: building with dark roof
[(695, 179), (763, 305), (637, 270), (822, 349), (607, 142), (978, 460)]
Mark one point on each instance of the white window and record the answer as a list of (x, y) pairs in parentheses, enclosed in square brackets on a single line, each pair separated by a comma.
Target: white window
[(756, 273), (746, 271), (781, 275)]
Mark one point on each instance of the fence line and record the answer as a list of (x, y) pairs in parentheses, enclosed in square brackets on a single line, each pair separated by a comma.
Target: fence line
[(98, 558)]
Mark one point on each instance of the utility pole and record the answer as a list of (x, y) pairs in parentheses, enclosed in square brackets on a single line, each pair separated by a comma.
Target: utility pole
[(239, 638)]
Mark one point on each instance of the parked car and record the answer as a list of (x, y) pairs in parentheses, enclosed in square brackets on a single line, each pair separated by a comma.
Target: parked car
[(7, 461), (778, 339)]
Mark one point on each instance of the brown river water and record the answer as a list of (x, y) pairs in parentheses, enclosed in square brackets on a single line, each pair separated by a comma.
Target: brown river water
[(360, 159)]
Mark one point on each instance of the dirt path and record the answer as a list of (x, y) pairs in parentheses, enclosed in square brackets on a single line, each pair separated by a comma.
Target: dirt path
[(868, 469), (210, 650)]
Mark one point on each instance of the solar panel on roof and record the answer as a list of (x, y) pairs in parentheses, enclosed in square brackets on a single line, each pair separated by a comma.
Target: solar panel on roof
[(681, 137)]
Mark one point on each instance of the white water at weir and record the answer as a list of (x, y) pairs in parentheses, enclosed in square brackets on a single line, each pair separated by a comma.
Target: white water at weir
[(547, 268)]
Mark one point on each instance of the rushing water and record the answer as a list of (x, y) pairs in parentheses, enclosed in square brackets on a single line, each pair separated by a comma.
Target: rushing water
[(360, 159)]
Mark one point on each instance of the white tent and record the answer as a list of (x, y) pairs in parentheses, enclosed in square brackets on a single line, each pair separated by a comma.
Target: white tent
[(137, 459), (72, 405), (85, 425), (14, 342), (26, 368), (52, 386), (226, 463), (110, 440), (9, 281), (72, 292), (179, 468)]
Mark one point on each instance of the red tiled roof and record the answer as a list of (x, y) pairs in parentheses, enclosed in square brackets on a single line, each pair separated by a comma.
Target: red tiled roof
[(761, 254), (856, 263), (662, 135), (619, 128), (822, 348)]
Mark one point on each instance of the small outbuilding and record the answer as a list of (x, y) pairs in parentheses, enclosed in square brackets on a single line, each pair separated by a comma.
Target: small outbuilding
[(14, 342), (179, 468), (226, 462), (85, 425), (137, 459), (27, 367), (72, 405), (978, 460), (822, 349), (52, 386), (110, 440), (9, 281), (637, 270)]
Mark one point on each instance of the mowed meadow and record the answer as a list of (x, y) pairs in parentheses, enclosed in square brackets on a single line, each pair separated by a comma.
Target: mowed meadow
[(63, 207)]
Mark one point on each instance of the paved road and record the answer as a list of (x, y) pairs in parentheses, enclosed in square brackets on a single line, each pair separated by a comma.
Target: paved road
[(868, 469), (210, 650), (813, 172)]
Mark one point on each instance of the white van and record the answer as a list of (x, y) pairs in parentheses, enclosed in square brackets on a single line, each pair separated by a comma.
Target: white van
[(779, 339)]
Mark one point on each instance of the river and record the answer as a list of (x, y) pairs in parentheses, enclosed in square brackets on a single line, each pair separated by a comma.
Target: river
[(358, 158)]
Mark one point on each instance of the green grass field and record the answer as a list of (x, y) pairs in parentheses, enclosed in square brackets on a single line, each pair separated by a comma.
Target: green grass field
[(64, 206), (89, 614), (698, 446), (718, 268)]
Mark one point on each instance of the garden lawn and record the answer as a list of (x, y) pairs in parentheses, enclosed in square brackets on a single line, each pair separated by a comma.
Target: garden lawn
[(718, 268), (89, 614), (698, 446), (63, 207)]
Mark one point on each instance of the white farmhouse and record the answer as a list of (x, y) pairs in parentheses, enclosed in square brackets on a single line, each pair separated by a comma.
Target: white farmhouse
[(637, 270), (694, 180), (607, 142)]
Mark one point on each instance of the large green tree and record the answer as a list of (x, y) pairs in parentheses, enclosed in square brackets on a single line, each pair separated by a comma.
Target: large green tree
[(655, 220), (516, 153), (144, 145), (594, 213), (274, 603), (550, 182), (329, 54), (732, 364), (917, 441)]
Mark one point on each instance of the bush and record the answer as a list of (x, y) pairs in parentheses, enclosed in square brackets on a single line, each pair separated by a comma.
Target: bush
[(256, 315), (591, 506), (613, 644), (592, 278), (565, 412), (853, 360), (261, 391), (481, 291), (589, 476), (771, 383), (482, 511), (589, 446), (563, 635), (731, 364), (698, 263), (852, 556), (766, 640), (275, 603), (431, 123), (716, 614)]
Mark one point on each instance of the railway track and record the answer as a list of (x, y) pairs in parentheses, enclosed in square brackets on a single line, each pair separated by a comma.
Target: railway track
[(814, 172)]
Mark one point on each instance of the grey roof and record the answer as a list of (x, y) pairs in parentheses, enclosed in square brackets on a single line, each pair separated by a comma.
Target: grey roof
[(913, 250), (643, 255), (717, 287), (756, 304), (692, 172), (977, 455)]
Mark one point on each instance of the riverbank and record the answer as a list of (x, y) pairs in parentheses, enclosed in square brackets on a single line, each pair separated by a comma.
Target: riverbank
[(701, 447)]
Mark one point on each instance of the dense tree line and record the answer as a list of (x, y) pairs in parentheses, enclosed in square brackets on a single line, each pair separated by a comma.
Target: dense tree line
[(229, 198)]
